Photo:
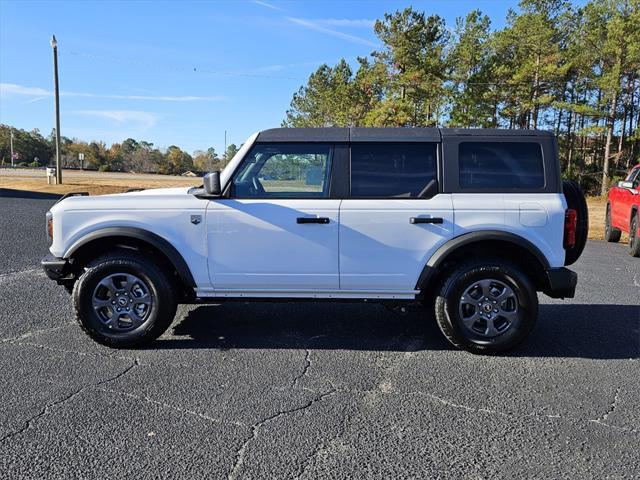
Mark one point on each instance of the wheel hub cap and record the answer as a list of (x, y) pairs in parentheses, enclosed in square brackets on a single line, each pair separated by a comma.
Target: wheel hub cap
[(488, 308), (122, 302)]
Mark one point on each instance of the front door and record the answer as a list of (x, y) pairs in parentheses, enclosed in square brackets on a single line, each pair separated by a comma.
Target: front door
[(624, 198), (277, 233)]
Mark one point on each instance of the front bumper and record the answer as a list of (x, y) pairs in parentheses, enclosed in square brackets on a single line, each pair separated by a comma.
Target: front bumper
[(561, 283), (58, 269)]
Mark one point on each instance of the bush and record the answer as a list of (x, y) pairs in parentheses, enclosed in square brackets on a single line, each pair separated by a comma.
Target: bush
[(103, 168)]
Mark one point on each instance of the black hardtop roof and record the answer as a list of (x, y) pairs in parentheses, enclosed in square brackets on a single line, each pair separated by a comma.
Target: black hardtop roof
[(387, 134)]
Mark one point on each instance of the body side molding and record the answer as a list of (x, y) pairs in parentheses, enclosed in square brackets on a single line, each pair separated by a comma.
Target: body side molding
[(473, 237), (144, 235)]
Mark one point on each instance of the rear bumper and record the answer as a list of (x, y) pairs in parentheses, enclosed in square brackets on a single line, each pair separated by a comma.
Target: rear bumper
[(561, 283), (58, 269)]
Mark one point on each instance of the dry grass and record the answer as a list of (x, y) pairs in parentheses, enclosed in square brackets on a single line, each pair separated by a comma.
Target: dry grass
[(597, 207), (95, 183), (102, 183)]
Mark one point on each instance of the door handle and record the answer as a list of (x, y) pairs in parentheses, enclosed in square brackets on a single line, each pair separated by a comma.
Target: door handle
[(415, 220), (312, 220)]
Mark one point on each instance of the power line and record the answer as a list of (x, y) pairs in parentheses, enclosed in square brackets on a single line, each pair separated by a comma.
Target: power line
[(584, 83), (176, 68)]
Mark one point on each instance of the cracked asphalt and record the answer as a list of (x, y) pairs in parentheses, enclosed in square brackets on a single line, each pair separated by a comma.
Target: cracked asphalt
[(314, 390)]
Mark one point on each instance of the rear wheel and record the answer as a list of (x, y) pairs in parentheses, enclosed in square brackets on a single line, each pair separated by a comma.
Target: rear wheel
[(124, 300), (486, 307), (634, 238), (611, 234)]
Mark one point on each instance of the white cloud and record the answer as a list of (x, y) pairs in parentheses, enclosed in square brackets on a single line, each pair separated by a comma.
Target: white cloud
[(272, 68), (268, 5), (347, 22), (12, 89), (144, 119), (314, 25), (7, 89)]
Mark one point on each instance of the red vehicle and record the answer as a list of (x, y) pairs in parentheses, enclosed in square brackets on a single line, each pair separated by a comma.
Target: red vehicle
[(623, 211)]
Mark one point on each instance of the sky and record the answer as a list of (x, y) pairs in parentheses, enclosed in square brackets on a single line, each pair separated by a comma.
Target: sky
[(181, 73)]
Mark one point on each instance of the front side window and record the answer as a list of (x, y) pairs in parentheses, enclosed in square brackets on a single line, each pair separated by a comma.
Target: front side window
[(392, 170), (284, 171), (508, 165)]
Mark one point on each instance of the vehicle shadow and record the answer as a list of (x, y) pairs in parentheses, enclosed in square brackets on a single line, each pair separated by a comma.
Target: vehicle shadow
[(11, 193), (582, 331)]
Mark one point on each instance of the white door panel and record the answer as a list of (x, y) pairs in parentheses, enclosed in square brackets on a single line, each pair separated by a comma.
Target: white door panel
[(478, 211), (258, 244), (379, 246)]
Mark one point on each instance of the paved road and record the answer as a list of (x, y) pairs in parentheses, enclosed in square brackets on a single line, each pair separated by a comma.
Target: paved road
[(314, 390)]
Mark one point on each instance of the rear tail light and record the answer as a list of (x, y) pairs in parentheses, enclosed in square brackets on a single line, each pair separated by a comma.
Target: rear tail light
[(570, 225)]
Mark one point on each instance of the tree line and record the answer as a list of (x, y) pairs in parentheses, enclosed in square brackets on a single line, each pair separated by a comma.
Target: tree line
[(32, 149), (555, 66)]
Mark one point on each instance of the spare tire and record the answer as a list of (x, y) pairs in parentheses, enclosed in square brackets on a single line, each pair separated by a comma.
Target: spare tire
[(576, 201)]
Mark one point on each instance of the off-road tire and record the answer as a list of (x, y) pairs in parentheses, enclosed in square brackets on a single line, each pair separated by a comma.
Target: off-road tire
[(161, 291), (452, 288), (611, 234), (576, 201), (634, 238)]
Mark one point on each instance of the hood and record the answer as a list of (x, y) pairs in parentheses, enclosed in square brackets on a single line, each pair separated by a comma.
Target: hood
[(153, 198), (159, 191)]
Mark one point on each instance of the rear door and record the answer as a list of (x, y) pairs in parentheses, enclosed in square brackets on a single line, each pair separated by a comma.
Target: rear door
[(507, 181), (278, 230), (394, 218)]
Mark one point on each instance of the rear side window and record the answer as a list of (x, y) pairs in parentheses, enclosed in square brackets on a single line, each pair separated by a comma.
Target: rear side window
[(509, 165), (399, 170)]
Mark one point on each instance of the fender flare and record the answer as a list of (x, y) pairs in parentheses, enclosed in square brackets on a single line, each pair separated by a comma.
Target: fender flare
[(153, 239), (455, 243)]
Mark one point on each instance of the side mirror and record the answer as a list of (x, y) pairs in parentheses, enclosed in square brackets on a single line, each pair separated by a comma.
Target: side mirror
[(628, 185), (212, 183)]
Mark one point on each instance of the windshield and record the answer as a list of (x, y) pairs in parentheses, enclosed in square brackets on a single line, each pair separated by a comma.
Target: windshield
[(225, 175)]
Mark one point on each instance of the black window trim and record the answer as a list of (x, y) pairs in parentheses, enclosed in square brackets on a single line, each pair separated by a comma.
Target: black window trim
[(438, 176)]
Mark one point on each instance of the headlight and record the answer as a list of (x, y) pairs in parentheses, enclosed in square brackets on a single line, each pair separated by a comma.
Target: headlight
[(49, 217)]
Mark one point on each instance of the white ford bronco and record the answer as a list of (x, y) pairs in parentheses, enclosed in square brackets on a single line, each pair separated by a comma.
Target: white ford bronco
[(468, 223)]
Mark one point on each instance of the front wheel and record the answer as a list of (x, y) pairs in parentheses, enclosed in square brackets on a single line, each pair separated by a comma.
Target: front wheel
[(634, 238), (124, 300), (486, 307)]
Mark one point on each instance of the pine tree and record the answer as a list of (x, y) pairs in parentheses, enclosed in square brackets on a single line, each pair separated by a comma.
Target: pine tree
[(470, 61)]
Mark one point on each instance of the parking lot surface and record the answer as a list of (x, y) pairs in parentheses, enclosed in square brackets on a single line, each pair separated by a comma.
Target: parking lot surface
[(314, 390)]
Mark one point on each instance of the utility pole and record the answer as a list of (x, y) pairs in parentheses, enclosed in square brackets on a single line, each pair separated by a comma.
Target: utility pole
[(54, 45), (225, 145), (12, 147)]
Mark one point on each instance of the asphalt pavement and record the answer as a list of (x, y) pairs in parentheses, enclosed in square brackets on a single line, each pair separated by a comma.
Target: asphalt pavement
[(314, 390)]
